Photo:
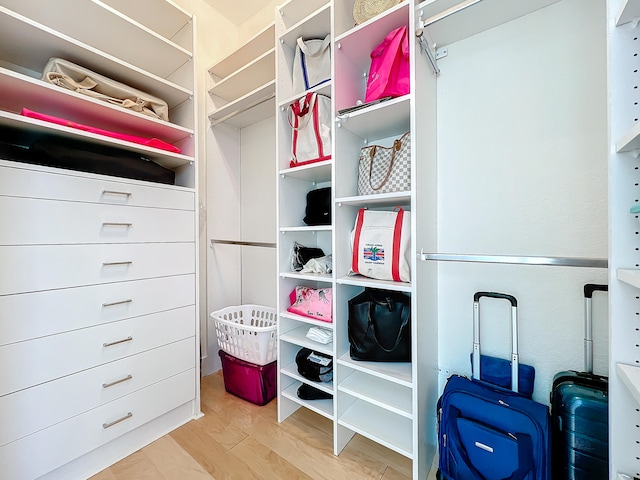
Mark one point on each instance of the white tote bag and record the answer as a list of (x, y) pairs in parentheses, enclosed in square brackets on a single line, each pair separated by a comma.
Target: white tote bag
[(310, 121), (311, 63), (381, 244)]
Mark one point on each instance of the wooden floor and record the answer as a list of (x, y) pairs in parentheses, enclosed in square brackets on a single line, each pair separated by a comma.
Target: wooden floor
[(241, 441)]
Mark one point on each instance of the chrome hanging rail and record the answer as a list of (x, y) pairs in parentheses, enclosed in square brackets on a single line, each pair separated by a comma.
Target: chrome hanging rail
[(240, 110), (517, 260), (242, 243)]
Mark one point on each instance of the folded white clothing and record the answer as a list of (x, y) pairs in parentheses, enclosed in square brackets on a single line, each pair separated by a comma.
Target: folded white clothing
[(321, 335)]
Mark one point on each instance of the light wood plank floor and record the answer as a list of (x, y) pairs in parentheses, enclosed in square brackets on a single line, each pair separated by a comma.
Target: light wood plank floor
[(241, 441)]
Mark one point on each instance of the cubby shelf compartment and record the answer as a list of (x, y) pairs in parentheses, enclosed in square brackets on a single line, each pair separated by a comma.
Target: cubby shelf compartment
[(378, 392), (291, 370), (248, 109), (396, 372), (630, 376), (321, 407), (312, 26), (391, 430), (383, 120), (402, 199), (297, 336)]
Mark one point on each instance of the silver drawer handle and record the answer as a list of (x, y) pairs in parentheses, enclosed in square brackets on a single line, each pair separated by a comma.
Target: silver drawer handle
[(111, 304), (107, 385), (115, 422), (114, 192), (111, 344), (116, 224), (110, 264)]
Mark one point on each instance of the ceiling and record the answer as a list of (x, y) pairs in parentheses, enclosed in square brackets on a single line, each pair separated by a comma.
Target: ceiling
[(238, 11)]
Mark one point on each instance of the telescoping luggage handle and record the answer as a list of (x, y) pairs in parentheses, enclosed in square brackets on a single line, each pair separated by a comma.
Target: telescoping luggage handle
[(514, 334), (589, 288)]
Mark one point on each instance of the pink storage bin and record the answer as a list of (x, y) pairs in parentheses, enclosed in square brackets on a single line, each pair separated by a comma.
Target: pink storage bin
[(251, 382)]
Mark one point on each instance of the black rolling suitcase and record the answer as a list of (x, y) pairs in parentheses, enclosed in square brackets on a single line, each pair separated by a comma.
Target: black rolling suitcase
[(579, 411)]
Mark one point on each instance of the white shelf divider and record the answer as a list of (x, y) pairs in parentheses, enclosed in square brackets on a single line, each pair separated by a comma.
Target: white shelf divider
[(630, 376)]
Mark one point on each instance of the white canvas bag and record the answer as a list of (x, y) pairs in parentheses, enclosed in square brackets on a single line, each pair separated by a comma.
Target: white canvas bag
[(381, 244), (311, 63), (310, 121)]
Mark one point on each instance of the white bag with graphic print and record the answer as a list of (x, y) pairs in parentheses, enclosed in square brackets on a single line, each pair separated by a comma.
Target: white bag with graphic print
[(381, 245)]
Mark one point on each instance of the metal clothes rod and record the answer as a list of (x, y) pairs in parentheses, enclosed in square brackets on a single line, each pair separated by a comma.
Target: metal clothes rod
[(240, 242), (519, 260), (243, 109), (448, 12)]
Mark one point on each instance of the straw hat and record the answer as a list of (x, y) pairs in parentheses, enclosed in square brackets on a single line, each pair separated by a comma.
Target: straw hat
[(363, 10)]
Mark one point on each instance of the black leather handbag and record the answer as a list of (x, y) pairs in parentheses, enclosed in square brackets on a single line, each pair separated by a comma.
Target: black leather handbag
[(379, 326)]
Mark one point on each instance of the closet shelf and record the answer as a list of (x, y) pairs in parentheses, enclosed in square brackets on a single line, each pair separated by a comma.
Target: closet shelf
[(361, 281), (383, 120), (166, 58), (322, 407), (253, 75), (167, 20), (33, 44), (395, 372), (630, 11), (23, 91), (630, 376), (477, 18), (323, 89), (256, 47), (292, 11), (315, 277), (383, 427), (630, 276), (29, 126), (392, 199), (378, 392), (630, 141), (297, 336), (308, 320), (291, 370), (308, 228), (253, 107), (318, 172), (312, 26)]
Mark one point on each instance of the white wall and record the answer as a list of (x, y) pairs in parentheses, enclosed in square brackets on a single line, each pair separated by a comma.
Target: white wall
[(522, 168)]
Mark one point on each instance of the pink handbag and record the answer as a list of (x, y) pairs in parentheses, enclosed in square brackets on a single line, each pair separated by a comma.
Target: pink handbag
[(312, 302), (389, 72)]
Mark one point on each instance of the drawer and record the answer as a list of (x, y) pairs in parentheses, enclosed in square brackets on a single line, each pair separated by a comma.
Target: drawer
[(43, 451), (31, 315), (22, 180), (45, 267), (35, 221), (36, 408), (43, 359)]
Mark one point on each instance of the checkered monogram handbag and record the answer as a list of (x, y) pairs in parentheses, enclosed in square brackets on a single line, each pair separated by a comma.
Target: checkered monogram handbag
[(385, 169)]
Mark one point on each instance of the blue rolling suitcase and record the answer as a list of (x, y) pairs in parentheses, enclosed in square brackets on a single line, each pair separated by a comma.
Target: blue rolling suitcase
[(487, 432), (579, 412)]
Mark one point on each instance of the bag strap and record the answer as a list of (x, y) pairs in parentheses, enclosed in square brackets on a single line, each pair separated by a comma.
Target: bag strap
[(356, 240), (397, 237), (304, 48), (397, 146), (405, 315)]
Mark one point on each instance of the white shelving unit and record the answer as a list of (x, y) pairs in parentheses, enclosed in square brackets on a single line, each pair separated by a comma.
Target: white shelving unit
[(93, 317), (624, 381)]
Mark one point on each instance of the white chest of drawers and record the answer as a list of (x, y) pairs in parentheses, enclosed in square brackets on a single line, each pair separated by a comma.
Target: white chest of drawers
[(97, 313)]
